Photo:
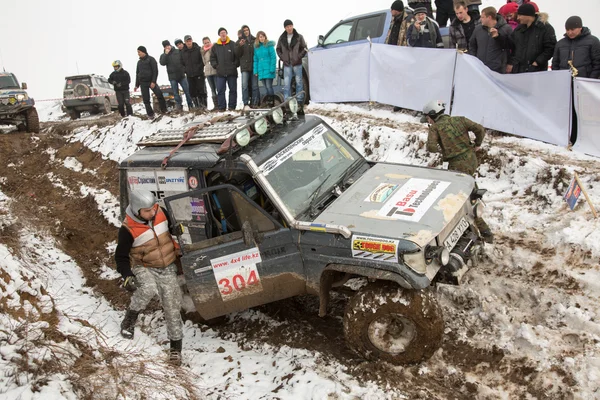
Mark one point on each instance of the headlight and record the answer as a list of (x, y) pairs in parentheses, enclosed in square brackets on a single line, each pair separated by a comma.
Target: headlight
[(261, 126), (439, 253), (21, 97), (478, 209), (293, 105), (242, 138)]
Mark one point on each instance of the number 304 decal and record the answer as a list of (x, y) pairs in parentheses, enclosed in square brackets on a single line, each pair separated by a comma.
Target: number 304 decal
[(236, 274)]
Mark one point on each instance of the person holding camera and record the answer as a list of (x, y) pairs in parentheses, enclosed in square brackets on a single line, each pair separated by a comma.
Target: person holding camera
[(424, 31), (145, 258)]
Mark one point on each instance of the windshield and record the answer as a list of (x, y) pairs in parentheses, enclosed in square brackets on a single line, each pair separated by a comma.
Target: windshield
[(8, 82), (309, 168)]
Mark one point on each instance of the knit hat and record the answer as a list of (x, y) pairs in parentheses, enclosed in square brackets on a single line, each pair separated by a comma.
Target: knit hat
[(142, 49), (508, 8), (166, 43), (287, 22), (398, 5), (573, 22), (177, 41), (187, 37), (420, 10), (222, 29), (527, 10)]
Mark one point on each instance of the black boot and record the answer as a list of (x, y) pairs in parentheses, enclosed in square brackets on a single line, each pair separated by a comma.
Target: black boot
[(175, 352), (128, 324)]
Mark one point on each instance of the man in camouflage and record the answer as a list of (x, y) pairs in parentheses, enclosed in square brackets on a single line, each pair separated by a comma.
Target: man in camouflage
[(450, 136), (145, 243)]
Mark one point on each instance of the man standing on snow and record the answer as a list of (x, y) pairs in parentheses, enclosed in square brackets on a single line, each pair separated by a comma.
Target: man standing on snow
[(120, 80), (450, 136), (291, 48), (462, 28), (534, 42), (193, 63), (491, 40), (172, 59), (145, 77), (146, 244), (224, 58)]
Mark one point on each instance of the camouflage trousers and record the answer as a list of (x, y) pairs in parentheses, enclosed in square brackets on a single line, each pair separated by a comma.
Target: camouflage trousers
[(161, 282), (467, 164)]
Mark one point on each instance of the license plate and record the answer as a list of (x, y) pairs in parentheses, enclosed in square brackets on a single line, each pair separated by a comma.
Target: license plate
[(451, 240)]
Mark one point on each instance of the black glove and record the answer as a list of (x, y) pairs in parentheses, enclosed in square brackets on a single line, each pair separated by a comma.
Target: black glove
[(130, 283), (177, 230), (118, 84)]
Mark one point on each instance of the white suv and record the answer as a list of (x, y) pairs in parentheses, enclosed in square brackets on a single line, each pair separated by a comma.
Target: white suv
[(90, 93)]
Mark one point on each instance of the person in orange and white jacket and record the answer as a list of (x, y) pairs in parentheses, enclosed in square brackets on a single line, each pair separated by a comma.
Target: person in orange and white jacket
[(145, 257)]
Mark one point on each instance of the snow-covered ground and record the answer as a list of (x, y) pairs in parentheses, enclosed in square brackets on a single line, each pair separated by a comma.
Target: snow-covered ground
[(535, 298)]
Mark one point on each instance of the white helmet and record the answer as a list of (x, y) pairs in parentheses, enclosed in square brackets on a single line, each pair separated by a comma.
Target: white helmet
[(141, 199), (433, 109)]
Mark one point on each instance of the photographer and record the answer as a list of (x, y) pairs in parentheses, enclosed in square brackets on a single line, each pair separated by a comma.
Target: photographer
[(424, 31)]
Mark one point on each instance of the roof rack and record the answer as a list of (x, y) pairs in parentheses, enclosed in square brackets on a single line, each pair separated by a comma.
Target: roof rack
[(216, 132)]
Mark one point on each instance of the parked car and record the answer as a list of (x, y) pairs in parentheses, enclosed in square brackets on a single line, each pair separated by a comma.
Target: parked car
[(168, 94), (90, 93), (16, 107), (272, 208)]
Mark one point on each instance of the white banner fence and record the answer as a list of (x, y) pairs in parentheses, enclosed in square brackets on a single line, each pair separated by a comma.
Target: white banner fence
[(533, 105), (587, 106)]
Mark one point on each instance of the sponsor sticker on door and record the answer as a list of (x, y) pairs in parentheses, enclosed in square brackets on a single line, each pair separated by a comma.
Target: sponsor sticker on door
[(375, 248), (411, 201), (236, 274)]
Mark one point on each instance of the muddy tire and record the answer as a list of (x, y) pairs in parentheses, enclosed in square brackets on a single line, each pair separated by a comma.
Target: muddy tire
[(106, 109), (385, 322), (74, 114), (32, 121)]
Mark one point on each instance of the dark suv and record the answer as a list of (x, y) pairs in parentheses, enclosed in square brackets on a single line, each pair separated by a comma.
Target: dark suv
[(273, 208), (16, 107)]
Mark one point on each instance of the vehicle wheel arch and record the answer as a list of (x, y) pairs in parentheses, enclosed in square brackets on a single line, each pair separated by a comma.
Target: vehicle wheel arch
[(332, 273)]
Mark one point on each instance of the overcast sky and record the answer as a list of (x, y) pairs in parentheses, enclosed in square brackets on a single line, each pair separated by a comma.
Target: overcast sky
[(44, 41)]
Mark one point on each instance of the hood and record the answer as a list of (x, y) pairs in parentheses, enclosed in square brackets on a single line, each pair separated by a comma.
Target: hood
[(584, 32), (269, 43), (402, 202), (500, 21), (220, 42), (12, 92)]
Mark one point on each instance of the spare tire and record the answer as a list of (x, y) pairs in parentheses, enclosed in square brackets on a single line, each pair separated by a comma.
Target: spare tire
[(82, 89)]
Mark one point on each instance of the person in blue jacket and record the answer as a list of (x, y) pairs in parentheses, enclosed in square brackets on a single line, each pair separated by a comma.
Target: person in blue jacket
[(265, 61)]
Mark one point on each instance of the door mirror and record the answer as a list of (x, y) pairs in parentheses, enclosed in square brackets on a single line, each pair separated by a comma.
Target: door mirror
[(321, 40), (23, 86)]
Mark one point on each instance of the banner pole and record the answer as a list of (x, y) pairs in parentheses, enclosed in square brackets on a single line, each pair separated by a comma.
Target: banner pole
[(587, 198)]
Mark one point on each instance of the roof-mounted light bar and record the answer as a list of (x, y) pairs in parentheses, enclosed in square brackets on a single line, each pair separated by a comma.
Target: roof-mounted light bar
[(260, 124)]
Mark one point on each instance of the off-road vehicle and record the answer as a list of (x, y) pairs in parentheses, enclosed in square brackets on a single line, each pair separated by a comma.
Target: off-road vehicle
[(16, 107), (90, 93), (168, 94), (273, 207)]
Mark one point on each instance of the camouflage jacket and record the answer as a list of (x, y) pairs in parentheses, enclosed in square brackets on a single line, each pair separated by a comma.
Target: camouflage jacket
[(402, 37), (450, 136)]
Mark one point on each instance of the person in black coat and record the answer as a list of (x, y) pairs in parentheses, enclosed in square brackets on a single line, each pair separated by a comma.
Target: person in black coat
[(580, 47), (491, 40), (172, 59), (534, 42), (120, 80), (193, 64), (225, 59), (145, 78)]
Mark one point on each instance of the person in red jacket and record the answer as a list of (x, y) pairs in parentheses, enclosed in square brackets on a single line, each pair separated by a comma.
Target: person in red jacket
[(145, 243)]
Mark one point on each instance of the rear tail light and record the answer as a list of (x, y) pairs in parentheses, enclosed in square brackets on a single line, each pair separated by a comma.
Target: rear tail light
[(95, 91)]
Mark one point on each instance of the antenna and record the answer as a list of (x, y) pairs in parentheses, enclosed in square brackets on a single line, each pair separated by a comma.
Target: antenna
[(2, 61), (77, 66)]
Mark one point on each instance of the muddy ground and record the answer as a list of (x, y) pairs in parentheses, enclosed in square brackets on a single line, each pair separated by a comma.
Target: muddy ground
[(26, 162)]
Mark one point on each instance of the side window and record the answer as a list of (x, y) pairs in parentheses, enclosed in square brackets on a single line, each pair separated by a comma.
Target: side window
[(369, 27), (340, 33)]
